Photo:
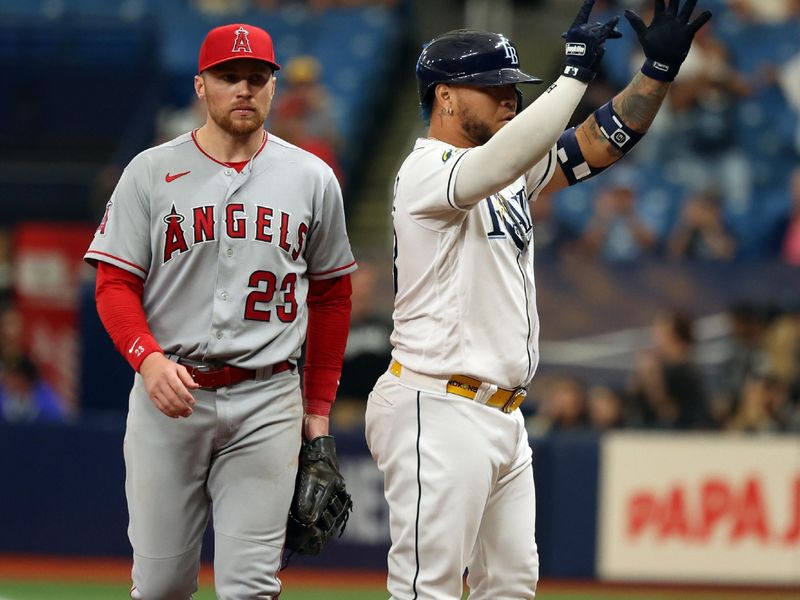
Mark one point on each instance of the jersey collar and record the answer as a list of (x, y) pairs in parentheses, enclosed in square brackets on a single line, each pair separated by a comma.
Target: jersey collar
[(219, 162)]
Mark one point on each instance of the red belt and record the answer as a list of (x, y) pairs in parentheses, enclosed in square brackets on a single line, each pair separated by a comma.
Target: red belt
[(211, 378)]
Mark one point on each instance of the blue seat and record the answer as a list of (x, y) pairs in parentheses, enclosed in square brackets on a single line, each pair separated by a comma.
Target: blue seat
[(573, 207), (20, 9), (99, 65), (353, 46)]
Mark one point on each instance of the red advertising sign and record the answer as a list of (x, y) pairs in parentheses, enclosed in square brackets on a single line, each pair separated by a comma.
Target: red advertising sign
[(48, 260), (712, 508)]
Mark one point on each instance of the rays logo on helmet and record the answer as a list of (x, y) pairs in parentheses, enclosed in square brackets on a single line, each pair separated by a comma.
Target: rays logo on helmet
[(511, 52), (576, 49), (242, 43)]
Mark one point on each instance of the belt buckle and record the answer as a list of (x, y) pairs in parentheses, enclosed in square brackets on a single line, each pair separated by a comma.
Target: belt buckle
[(197, 369), (517, 397)]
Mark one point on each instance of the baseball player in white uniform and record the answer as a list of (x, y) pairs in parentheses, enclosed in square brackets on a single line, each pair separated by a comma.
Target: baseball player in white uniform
[(219, 253), (443, 422)]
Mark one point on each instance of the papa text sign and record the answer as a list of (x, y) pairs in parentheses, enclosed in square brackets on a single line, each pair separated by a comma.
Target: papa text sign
[(709, 508)]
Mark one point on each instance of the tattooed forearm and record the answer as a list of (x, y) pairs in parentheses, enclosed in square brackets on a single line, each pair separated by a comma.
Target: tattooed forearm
[(638, 103), (590, 132)]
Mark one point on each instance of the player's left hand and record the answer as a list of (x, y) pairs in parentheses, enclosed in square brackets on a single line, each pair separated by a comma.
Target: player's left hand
[(320, 505), (666, 41)]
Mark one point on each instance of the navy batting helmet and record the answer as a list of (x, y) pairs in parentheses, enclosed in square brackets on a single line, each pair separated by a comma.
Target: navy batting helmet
[(470, 57)]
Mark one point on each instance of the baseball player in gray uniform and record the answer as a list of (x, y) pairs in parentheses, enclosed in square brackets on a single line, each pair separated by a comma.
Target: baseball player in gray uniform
[(443, 422), (220, 252)]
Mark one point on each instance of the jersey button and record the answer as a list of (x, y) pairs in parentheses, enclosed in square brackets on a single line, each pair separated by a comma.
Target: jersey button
[(229, 252), (223, 295), (228, 171), (219, 335)]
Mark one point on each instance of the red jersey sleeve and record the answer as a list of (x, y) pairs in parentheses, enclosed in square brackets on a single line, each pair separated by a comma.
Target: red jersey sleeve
[(118, 295), (328, 324)]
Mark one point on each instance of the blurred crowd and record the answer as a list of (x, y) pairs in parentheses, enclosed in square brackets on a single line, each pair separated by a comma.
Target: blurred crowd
[(717, 176), (232, 7), (25, 396), (753, 386), (619, 230)]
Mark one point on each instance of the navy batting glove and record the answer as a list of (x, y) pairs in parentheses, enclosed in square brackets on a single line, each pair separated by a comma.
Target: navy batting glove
[(666, 41), (585, 44)]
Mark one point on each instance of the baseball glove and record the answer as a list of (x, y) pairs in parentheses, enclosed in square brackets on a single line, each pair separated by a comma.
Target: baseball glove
[(321, 505)]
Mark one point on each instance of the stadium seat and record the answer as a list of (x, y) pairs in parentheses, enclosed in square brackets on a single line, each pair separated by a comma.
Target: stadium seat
[(10, 9)]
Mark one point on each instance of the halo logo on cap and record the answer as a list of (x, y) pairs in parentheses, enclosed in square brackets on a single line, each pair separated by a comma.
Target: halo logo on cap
[(241, 43), (236, 41)]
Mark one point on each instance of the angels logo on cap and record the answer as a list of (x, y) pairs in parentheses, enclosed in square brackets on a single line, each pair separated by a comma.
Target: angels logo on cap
[(236, 41), (241, 43)]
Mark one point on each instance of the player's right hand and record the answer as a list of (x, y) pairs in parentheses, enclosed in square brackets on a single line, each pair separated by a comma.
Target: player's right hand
[(168, 384), (586, 44)]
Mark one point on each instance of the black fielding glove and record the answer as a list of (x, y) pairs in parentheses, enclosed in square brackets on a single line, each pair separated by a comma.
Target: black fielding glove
[(321, 505), (666, 41), (585, 44)]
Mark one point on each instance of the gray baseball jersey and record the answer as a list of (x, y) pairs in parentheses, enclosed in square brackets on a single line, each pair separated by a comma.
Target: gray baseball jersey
[(226, 256), (466, 299)]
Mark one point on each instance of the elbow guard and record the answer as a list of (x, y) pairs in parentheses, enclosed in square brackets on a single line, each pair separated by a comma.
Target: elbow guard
[(618, 134)]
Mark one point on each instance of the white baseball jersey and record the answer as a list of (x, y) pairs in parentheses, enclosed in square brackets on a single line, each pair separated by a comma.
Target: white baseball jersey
[(226, 256), (465, 295)]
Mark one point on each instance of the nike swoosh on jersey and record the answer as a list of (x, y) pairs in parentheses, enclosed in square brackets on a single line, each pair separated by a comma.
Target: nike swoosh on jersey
[(169, 177), (136, 341)]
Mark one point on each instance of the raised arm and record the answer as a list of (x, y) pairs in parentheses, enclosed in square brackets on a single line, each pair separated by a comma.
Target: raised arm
[(525, 140), (614, 128)]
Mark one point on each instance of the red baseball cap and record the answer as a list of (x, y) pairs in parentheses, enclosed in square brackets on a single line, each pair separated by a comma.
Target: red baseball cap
[(230, 42)]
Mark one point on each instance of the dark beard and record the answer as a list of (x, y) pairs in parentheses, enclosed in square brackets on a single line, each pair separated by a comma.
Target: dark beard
[(477, 131)]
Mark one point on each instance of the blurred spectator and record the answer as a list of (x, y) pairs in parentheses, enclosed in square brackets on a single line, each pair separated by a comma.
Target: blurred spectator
[(703, 103), (787, 76), (301, 88), (216, 8), (6, 267), (11, 342), (699, 232), (302, 114), (562, 408), (368, 351), (790, 235), (606, 408), (666, 385), (781, 343), (24, 397), (764, 405), (319, 5), (290, 124), (617, 232), (551, 235), (172, 122), (747, 326), (765, 11)]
